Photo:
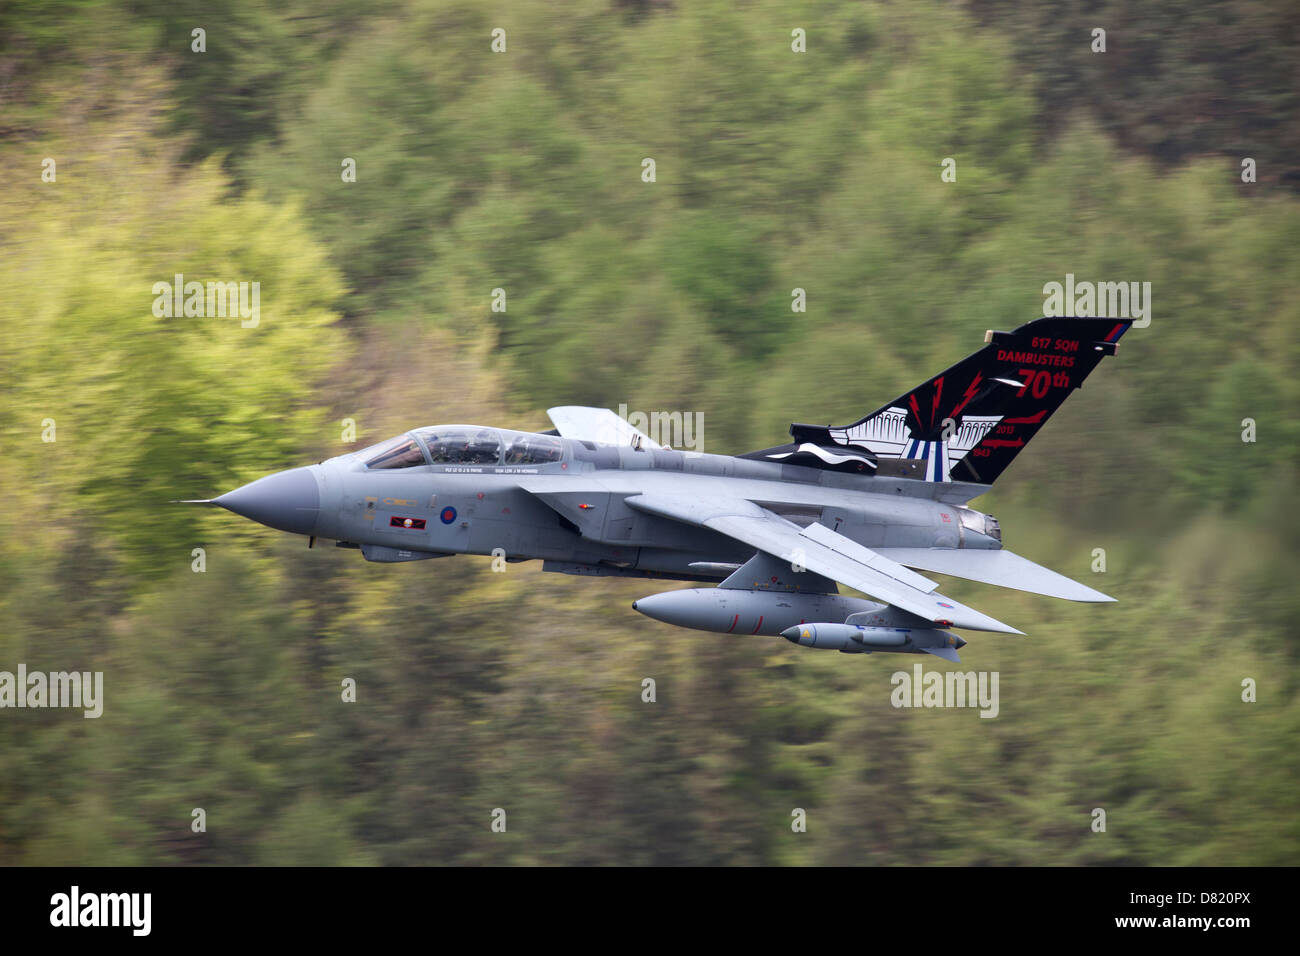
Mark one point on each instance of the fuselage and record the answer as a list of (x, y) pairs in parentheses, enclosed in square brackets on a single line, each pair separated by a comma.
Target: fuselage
[(463, 489), (779, 530)]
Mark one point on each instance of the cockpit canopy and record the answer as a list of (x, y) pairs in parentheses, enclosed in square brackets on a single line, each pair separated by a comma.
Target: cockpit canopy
[(458, 445), (463, 445)]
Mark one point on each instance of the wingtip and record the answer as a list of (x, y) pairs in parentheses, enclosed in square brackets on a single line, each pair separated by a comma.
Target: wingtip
[(977, 621)]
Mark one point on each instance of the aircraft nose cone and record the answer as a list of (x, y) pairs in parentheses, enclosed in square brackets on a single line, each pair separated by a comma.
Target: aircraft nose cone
[(286, 501)]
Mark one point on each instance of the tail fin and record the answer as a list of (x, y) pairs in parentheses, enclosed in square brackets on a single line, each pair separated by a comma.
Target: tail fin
[(969, 422)]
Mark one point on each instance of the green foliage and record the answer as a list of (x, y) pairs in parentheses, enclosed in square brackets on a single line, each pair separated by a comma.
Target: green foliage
[(726, 276), (146, 408), (523, 171), (1175, 82)]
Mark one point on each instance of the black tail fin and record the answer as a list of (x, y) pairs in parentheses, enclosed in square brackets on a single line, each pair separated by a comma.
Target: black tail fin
[(969, 422)]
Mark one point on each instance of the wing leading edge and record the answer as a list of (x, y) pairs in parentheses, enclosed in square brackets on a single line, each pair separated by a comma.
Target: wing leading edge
[(822, 551)]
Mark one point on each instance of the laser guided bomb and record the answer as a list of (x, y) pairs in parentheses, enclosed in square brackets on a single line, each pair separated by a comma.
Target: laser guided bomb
[(869, 505)]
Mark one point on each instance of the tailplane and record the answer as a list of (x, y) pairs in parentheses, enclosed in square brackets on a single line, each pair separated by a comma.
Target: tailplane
[(970, 421)]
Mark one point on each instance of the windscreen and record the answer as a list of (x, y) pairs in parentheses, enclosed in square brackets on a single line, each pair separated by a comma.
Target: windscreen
[(400, 452)]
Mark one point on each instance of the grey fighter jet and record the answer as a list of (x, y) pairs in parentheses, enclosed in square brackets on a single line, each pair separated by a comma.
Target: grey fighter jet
[(871, 505)]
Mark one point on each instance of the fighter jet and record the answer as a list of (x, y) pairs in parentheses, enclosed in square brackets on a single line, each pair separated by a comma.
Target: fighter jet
[(873, 505)]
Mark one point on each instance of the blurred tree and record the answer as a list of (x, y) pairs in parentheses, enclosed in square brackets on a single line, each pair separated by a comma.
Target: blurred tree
[(776, 170)]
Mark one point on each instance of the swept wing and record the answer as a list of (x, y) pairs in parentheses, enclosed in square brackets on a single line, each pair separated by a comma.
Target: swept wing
[(822, 551)]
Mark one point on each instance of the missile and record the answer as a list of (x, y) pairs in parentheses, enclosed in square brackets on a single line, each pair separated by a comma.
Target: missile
[(860, 639)]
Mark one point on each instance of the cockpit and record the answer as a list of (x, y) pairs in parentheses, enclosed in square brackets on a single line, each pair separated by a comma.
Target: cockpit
[(463, 445)]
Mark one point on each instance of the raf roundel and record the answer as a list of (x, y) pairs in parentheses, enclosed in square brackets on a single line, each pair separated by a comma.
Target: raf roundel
[(448, 515)]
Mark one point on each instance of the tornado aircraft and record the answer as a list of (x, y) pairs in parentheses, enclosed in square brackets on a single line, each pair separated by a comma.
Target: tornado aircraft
[(768, 535)]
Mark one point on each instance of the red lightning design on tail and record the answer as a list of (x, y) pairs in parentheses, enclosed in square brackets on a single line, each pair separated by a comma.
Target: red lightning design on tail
[(934, 408), (971, 389)]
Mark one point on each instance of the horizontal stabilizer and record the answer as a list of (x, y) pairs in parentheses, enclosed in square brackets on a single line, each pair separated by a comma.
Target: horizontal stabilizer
[(1003, 568)]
